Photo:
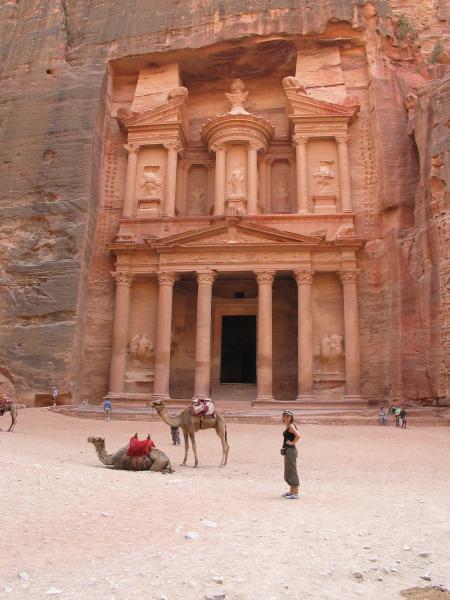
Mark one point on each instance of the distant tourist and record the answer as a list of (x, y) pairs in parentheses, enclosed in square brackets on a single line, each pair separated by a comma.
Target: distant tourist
[(54, 395), (382, 416), (107, 408), (175, 433), (397, 412), (403, 418), (289, 451)]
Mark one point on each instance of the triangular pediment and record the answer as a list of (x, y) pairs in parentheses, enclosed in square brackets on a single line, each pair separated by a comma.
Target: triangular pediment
[(300, 105), (233, 233), (167, 113)]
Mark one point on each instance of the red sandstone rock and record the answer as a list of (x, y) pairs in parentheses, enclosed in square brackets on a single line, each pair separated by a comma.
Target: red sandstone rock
[(62, 172)]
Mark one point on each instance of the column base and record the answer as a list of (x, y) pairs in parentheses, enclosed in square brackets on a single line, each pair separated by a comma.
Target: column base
[(354, 399), (304, 398), (201, 397), (264, 398), (303, 212), (159, 397)]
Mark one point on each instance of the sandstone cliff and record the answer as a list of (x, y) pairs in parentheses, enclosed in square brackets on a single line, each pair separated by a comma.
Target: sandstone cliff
[(53, 113)]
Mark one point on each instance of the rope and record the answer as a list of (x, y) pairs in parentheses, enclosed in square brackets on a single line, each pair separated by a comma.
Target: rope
[(151, 420)]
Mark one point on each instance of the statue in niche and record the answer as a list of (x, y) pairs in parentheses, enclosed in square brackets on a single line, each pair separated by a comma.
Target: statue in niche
[(237, 97), (324, 175), (331, 350), (141, 348), (197, 198), (150, 182), (282, 194), (236, 182)]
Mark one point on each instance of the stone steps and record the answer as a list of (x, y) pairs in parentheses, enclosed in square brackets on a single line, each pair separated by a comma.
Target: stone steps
[(417, 416)]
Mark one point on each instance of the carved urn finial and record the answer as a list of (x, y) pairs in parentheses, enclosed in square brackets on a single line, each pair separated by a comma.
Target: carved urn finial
[(237, 98)]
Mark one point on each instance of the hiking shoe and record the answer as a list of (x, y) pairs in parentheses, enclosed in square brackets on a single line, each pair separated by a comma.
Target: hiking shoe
[(286, 494), (292, 496)]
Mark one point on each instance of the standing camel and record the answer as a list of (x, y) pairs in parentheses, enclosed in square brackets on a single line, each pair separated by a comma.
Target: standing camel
[(190, 424), (8, 405)]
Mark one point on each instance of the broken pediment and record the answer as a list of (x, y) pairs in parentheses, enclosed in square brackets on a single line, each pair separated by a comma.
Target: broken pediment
[(299, 106), (233, 232), (168, 112)]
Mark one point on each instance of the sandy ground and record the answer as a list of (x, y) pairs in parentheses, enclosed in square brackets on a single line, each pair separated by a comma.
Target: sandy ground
[(372, 500)]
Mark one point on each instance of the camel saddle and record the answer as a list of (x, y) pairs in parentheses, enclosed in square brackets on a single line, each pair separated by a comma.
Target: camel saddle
[(5, 403), (138, 447), (202, 408)]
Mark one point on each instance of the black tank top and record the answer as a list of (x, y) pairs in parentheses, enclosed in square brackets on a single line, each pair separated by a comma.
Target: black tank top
[(288, 436)]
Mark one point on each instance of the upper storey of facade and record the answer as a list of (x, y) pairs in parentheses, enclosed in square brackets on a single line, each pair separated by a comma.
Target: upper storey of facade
[(256, 147)]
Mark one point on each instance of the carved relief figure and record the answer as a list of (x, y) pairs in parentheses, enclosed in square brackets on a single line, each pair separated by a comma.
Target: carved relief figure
[(196, 199), (177, 92), (280, 187), (324, 175), (141, 348), (294, 83), (237, 97), (150, 181), (331, 350), (236, 182)]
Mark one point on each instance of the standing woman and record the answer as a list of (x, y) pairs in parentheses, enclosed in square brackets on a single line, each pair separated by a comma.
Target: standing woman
[(289, 451)]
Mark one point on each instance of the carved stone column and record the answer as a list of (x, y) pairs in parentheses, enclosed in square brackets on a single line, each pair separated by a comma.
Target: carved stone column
[(166, 281), (351, 327), (130, 184), (264, 351), (302, 174), (344, 173), (205, 280), (220, 182), (269, 185), (252, 178), (171, 178), (304, 281), (120, 331)]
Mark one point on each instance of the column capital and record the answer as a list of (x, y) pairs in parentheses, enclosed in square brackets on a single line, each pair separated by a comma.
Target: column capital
[(350, 276), (206, 277), (263, 277), (300, 140), (305, 276), (343, 138), (130, 147), (175, 145), (122, 278), (167, 277), (218, 146), (255, 146)]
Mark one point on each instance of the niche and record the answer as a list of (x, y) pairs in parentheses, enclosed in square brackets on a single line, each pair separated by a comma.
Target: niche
[(197, 191)]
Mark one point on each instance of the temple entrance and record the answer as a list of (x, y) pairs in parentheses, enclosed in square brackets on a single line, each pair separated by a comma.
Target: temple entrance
[(238, 349)]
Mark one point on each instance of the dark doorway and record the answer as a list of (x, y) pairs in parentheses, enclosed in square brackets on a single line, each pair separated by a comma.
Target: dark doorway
[(238, 350)]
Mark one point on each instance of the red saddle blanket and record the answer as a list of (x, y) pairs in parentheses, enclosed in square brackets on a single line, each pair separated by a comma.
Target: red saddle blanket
[(140, 447)]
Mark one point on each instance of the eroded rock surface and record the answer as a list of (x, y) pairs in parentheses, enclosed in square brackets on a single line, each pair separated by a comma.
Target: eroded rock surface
[(61, 201)]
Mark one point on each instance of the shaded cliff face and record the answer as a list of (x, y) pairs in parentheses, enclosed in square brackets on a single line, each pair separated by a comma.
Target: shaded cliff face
[(430, 252), (53, 115)]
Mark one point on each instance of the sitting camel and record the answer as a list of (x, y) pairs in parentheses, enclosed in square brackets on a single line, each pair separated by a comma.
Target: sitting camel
[(7, 404), (155, 461), (190, 424)]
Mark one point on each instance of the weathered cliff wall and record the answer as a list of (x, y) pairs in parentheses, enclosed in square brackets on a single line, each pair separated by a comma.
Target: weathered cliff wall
[(53, 114)]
